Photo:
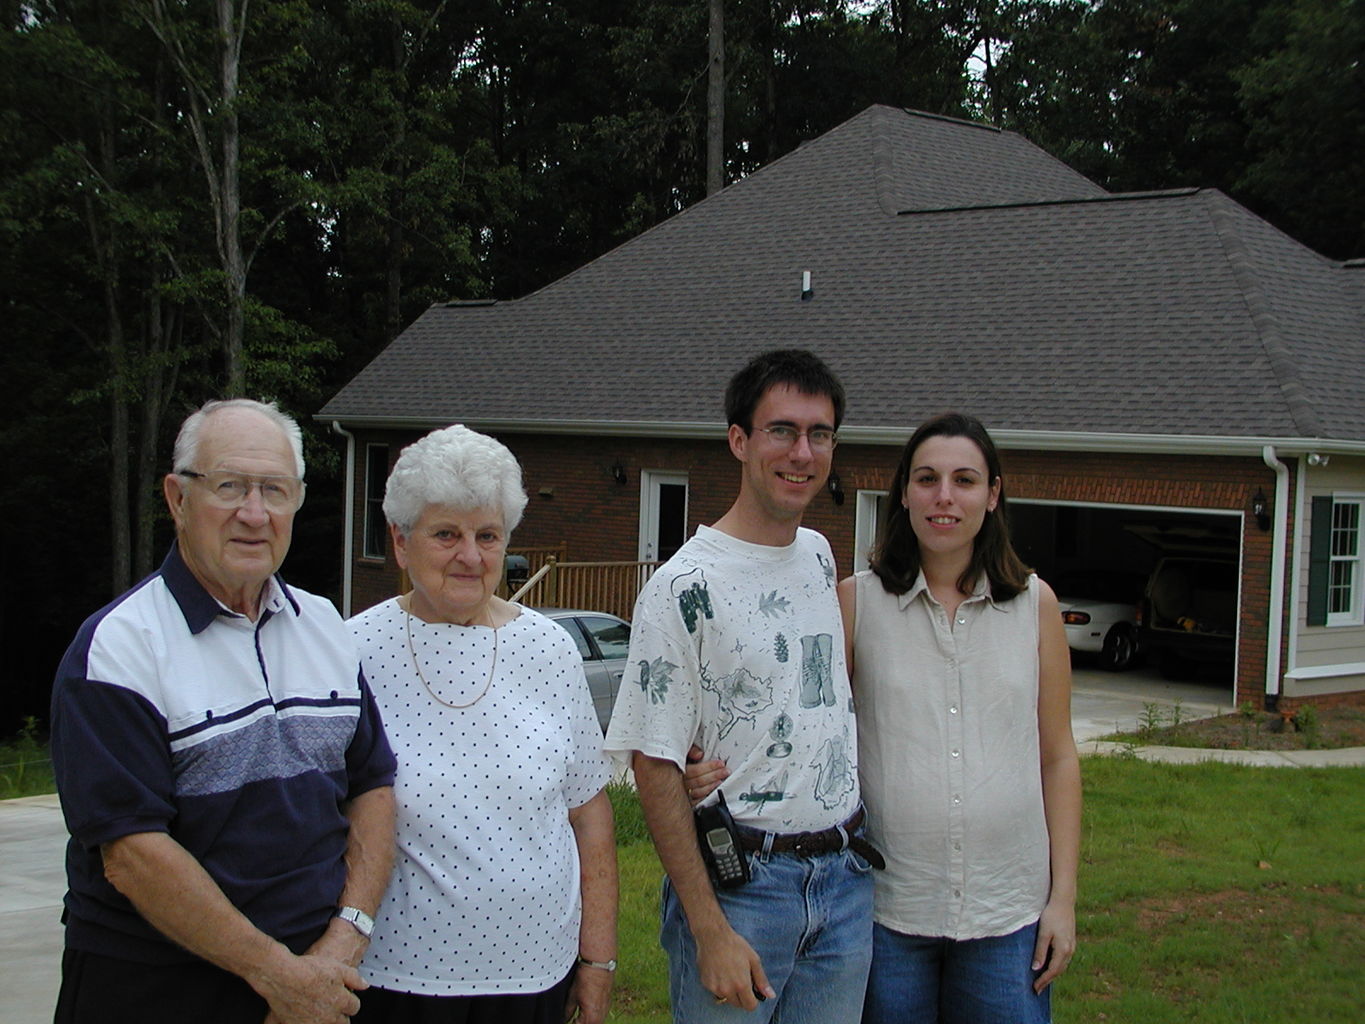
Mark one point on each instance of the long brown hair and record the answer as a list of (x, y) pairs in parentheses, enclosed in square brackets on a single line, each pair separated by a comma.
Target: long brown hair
[(896, 557)]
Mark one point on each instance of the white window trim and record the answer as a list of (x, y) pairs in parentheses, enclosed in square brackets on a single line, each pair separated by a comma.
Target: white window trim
[(370, 507), (865, 527), (1356, 615)]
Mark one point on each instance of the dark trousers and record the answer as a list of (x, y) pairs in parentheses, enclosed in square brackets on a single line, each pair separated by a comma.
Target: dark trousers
[(380, 1006), (105, 990)]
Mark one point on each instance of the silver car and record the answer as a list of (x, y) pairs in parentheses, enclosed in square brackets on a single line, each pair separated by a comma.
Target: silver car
[(604, 641)]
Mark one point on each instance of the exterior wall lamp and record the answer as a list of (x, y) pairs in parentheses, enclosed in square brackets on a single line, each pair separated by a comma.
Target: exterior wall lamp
[(836, 487), (618, 472), (1260, 509)]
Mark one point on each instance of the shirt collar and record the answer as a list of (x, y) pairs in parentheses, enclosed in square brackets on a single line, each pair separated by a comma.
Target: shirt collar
[(200, 607), (982, 590)]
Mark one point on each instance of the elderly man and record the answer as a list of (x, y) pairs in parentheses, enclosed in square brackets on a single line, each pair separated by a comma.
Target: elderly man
[(221, 765)]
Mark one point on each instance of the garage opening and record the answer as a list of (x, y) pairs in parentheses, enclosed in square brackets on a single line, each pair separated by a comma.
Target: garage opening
[(1140, 586)]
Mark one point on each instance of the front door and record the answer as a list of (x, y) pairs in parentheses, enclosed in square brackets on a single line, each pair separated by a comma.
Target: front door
[(663, 514)]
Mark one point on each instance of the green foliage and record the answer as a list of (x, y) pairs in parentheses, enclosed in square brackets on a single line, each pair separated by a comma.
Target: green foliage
[(25, 767), (396, 153), (1308, 723), (1259, 99)]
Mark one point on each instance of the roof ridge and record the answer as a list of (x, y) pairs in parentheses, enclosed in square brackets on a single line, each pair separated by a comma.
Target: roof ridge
[(1108, 197), (883, 172), (929, 115), (1262, 314)]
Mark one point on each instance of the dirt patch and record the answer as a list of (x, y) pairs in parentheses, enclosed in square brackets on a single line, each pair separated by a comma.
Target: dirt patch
[(1310, 729), (1234, 906)]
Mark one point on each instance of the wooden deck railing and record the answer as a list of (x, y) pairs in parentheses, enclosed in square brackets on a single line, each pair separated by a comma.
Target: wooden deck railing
[(596, 586)]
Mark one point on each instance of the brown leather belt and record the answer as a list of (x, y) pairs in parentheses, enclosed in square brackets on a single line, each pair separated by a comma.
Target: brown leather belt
[(812, 844)]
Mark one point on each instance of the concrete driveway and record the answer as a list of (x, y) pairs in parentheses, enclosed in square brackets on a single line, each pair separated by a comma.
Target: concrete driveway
[(33, 837)]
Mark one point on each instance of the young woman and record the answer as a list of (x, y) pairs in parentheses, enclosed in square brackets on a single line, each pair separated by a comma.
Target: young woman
[(970, 775)]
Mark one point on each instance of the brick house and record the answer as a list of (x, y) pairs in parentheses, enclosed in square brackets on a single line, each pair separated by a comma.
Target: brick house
[(1157, 366)]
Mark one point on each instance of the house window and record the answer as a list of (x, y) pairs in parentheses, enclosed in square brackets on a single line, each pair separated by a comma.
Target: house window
[(1335, 575), (376, 476), (1344, 577), (870, 509)]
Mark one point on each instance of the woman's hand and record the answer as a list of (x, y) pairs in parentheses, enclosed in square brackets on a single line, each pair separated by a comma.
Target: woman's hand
[(589, 995), (1056, 942), (701, 778)]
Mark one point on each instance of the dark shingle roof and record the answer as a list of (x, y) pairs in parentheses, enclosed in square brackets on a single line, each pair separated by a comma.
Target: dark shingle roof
[(952, 265)]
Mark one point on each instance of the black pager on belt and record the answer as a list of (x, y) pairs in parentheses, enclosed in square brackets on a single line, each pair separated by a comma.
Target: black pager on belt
[(719, 841)]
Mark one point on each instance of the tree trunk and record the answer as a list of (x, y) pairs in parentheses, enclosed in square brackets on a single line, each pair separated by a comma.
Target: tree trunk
[(106, 259), (715, 100), (230, 200)]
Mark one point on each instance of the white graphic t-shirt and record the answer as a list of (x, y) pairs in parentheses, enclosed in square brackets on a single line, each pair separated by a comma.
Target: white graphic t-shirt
[(739, 647)]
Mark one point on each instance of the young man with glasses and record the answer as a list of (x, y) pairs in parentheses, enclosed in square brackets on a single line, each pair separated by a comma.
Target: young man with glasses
[(221, 764), (737, 647)]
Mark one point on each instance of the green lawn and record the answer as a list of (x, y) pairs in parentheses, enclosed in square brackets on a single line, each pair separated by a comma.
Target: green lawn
[(1210, 894)]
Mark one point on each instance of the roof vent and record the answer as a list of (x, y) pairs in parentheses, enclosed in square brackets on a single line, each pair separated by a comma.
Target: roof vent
[(806, 293)]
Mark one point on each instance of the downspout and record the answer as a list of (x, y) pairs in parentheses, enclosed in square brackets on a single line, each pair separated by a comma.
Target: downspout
[(1275, 622), (348, 543)]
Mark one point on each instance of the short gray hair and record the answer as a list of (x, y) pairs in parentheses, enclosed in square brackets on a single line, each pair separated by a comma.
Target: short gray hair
[(458, 467), (187, 441)]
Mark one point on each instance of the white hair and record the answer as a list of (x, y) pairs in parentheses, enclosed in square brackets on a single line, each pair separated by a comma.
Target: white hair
[(187, 441), (458, 467)]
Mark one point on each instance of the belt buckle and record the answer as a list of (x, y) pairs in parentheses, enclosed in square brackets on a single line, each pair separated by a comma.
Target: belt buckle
[(802, 846)]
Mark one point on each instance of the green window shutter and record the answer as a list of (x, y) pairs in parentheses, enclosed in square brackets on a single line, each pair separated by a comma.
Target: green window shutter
[(1319, 561)]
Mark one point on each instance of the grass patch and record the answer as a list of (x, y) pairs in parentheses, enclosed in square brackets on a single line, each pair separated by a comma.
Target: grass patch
[(1218, 894), (25, 764), (1209, 894)]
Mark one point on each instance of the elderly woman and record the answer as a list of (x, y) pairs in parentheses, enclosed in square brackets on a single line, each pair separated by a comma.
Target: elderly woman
[(502, 904)]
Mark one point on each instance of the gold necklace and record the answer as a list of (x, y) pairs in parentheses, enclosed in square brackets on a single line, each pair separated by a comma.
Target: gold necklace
[(458, 707)]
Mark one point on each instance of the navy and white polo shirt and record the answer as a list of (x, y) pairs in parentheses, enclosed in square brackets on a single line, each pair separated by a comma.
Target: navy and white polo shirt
[(241, 740)]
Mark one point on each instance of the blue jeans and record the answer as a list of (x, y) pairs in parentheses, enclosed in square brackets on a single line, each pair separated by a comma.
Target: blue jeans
[(918, 980), (809, 919)]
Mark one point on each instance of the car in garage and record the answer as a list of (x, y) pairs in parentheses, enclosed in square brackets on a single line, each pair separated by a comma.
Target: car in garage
[(1100, 615), (1189, 614), (603, 640)]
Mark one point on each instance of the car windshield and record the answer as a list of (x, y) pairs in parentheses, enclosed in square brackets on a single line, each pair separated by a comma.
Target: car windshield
[(1101, 585)]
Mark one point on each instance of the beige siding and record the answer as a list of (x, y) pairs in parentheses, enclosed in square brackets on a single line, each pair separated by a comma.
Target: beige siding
[(1320, 647)]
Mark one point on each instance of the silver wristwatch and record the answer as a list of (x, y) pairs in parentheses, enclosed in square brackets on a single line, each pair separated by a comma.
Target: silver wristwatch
[(362, 921)]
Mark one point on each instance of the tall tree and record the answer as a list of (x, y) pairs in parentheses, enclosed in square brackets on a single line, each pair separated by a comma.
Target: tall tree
[(715, 97)]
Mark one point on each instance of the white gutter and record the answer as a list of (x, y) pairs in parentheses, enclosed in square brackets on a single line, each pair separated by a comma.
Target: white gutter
[(348, 503), (1037, 440), (1275, 622)]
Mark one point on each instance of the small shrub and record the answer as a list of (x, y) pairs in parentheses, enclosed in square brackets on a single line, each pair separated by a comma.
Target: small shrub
[(1150, 720), (1307, 722), (25, 767)]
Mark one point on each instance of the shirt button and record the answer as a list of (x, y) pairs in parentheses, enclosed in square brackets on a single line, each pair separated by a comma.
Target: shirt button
[(957, 894), (961, 622), (957, 753), (957, 846), (952, 710), (957, 799)]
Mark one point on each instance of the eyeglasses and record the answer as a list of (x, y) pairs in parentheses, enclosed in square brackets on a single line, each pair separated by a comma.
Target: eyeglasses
[(231, 490), (821, 439)]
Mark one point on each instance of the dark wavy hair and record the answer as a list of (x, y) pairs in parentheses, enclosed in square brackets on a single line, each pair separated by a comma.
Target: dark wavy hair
[(895, 556), (793, 367)]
